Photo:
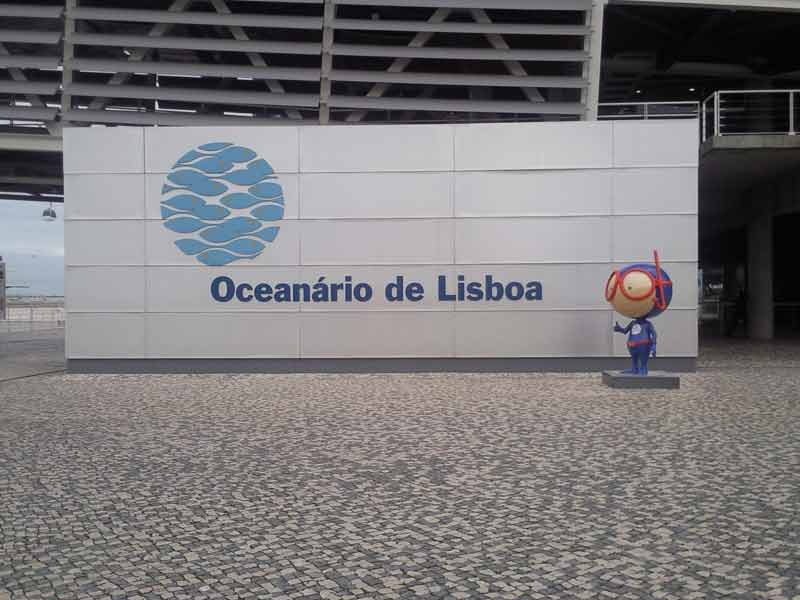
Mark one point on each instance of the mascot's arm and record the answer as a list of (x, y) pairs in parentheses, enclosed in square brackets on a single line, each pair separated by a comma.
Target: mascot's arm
[(619, 329)]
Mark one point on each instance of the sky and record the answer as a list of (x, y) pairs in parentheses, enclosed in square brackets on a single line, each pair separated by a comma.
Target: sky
[(33, 249)]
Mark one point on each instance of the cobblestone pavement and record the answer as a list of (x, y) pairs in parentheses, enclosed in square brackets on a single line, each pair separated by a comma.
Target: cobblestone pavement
[(400, 486)]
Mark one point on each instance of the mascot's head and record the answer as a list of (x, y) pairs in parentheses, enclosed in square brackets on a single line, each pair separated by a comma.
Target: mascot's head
[(642, 290)]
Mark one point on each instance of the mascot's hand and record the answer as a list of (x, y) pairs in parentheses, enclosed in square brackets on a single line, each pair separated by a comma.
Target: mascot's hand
[(617, 328), (653, 353)]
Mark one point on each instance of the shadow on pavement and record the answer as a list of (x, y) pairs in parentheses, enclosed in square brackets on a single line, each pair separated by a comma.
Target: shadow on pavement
[(23, 354)]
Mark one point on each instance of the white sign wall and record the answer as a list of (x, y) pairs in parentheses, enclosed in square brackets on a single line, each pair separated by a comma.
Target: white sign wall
[(561, 204)]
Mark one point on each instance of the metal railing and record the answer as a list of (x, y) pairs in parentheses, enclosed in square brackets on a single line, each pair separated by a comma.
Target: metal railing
[(750, 112), (611, 111)]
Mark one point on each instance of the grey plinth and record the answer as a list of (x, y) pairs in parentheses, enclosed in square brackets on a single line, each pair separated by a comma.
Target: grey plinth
[(656, 380)]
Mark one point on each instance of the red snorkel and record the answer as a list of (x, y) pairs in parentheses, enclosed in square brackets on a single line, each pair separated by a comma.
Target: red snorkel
[(660, 300)]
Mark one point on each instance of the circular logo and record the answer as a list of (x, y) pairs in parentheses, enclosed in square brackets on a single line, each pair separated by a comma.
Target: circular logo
[(225, 201)]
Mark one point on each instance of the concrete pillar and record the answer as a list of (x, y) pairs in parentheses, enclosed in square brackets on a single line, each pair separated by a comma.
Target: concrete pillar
[(760, 305)]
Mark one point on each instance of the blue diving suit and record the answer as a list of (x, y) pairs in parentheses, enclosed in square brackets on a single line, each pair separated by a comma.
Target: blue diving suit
[(642, 340)]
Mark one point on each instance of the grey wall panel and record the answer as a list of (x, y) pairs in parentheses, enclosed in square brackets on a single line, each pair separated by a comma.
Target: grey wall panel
[(122, 289), (674, 236), (419, 241), (95, 335), (277, 145), (533, 193), (532, 334), (376, 195), (222, 335), (656, 143), (103, 243), (376, 148), (658, 190), (106, 196), (377, 335), (113, 150), (523, 146), (519, 202), (562, 240)]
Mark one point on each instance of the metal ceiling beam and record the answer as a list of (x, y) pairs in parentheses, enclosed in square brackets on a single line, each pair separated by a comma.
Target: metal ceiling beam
[(166, 68), (513, 66), (461, 53), (68, 53), (27, 113), (194, 95), (157, 30), (326, 61), (495, 4), (20, 84), (23, 86), (256, 59), (447, 105), (454, 27), (400, 64), (406, 77), (49, 182), (767, 5), (593, 44), (26, 61), (168, 119), (197, 18), (30, 37), (189, 43), (39, 11), (30, 142)]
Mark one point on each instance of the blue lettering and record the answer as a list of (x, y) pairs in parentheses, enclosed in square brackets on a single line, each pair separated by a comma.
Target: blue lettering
[(415, 292), (229, 289), (242, 292), (443, 295), (263, 292)]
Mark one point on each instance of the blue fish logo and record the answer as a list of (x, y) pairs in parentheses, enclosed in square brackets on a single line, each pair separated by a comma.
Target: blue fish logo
[(226, 199)]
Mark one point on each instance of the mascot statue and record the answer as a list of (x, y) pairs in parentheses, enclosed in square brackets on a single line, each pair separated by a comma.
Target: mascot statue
[(640, 292)]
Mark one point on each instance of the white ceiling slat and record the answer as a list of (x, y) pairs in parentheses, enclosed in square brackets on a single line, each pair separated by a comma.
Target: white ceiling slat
[(447, 105), (406, 77), (27, 113), (491, 4), (187, 43), (197, 18), (165, 68), (30, 37), (33, 11), (195, 95), (25, 61), (460, 53), (44, 88), (166, 118), (458, 27)]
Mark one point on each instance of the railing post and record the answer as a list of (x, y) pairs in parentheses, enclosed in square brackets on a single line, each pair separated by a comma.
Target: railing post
[(646, 111), (704, 110), (791, 114), (717, 117)]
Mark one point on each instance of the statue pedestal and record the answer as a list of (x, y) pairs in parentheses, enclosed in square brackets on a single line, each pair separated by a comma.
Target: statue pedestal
[(656, 380)]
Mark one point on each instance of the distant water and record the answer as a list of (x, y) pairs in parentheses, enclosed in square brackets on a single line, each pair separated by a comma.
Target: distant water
[(224, 201)]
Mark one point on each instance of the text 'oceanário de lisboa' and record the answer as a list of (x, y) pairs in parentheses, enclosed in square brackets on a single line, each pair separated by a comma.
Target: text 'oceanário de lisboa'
[(400, 289)]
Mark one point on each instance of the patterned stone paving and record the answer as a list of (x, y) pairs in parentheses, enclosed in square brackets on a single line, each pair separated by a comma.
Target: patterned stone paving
[(401, 486)]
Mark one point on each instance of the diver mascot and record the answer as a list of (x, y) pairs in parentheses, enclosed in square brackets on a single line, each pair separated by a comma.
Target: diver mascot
[(640, 291)]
